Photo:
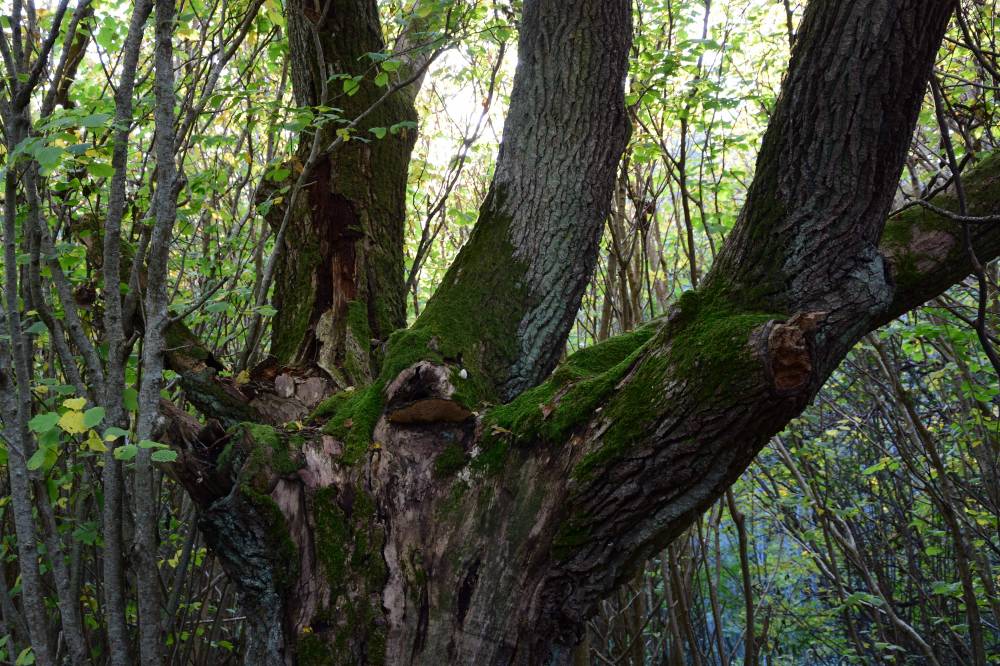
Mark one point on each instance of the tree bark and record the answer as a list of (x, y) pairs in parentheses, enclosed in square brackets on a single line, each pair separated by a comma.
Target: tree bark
[(339, 280), (403, 527), (507, 303)]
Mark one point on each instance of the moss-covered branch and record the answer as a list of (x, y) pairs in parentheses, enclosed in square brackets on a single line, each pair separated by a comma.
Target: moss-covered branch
[(214, 396), (926, 250)]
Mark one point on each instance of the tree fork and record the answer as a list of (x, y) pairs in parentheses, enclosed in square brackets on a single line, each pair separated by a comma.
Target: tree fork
[(498, 532)]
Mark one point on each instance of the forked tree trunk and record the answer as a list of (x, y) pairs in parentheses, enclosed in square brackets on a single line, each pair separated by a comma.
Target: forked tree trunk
[(411, 522)]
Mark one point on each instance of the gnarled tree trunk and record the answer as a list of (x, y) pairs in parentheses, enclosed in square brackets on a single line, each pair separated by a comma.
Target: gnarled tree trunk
[(411, 522), (339, 279)]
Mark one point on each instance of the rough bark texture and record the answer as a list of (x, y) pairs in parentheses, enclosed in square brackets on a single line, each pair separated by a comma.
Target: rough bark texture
[(509, 299), (339, 283), (400, 527)]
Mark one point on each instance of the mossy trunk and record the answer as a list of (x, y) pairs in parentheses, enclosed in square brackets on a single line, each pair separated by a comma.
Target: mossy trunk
[(339, 281), (399, 525), (511, 296)]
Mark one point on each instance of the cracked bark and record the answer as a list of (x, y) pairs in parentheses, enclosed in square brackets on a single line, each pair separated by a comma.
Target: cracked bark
[(339, 280), (489, 537)]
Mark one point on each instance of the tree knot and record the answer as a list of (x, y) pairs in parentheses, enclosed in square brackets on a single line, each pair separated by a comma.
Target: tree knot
[(789, 359), (422, 394)]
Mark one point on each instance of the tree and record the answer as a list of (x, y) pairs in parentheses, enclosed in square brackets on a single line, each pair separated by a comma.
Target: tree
[(468, 500), (445, 535)]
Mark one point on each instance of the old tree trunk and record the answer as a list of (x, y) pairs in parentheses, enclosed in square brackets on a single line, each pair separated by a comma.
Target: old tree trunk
[(466, 504)]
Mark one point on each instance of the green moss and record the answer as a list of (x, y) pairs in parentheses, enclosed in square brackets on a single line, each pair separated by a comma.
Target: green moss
[(354, 422), (551, 410), (450, 504), (472, 325), (633, 407), (709, 343), (178, 338), (226, 457), (295, 297), (349, 549), (450, 461), (283, 554), (357, 343), (705, 345), (357, 320), (352, 415), (332, 535), (262, 434), (313, 651), (273, 450), (464, 325), (898, 235), (603, 356), (572, 534), (982, 194), (330, 406), (493, 457), (906, 274)]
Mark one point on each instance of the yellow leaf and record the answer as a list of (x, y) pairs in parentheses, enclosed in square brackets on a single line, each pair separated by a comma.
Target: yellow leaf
[(72, 422), (75, 404), (94, 442), (242, 378)]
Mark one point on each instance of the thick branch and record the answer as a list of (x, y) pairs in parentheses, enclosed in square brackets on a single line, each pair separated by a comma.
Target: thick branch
[(800, 280), (339, 279), (506, 304), (925, 250)]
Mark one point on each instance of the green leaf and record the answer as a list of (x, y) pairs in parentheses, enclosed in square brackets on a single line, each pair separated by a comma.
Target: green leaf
[(877, 467), (150, 444), (403, 124), (126, 452), (44, 422), (131, 399), (382, 79), (114, 433), (48, 157), (26, 658), (100, 170), (93, 416), (72, 422), (946, 589), (86, 533), (96, 120), (267, 310), (164, 455), (278, 175), (379, 132), (37, 459)]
